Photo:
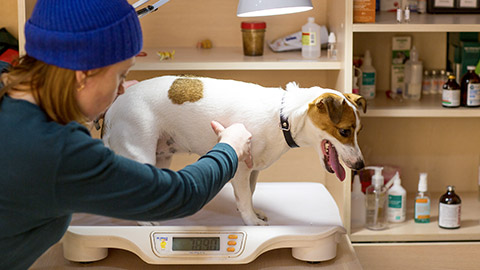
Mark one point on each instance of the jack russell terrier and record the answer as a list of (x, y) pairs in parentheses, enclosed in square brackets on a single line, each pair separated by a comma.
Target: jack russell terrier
[(165, 115)]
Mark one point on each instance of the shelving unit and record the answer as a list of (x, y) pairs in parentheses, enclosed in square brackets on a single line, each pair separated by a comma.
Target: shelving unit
[(230, 58), (428, 106), (427, 232)]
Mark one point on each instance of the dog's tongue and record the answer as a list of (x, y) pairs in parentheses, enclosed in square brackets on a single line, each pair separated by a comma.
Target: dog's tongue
[(336, 166)]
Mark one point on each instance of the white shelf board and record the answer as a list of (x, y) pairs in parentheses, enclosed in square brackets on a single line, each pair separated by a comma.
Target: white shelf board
[(410, 231), (231, 59), (386, 22), (428, 106)]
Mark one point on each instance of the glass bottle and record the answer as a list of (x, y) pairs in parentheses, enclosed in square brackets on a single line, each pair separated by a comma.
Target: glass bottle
[(451, 93), (470, 88), (426, 83), (449, 209)]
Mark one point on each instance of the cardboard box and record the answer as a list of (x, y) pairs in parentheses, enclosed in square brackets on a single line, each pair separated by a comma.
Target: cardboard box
[(400, 54), (363, 11)]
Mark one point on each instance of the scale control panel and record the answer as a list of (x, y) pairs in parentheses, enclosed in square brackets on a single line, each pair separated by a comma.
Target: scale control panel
[(211, 244)]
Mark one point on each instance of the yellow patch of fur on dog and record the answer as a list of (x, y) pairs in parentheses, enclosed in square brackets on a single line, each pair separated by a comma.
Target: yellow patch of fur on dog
[(185, 89)]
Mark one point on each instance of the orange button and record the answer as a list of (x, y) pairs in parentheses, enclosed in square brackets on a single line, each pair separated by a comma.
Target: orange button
[(232, 243), (232, 236), (230, 249)]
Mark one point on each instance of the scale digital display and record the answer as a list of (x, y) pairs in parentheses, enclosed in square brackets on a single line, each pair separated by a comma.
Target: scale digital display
[(195, 243)]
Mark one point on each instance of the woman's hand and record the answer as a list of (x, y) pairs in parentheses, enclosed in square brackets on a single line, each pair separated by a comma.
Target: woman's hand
[(238, 137)]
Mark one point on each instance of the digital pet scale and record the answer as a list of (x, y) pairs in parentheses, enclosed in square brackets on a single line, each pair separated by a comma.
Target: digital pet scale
[(301, 216)]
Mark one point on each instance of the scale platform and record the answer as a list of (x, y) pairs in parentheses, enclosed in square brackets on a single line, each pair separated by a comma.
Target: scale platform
[(302, 216)]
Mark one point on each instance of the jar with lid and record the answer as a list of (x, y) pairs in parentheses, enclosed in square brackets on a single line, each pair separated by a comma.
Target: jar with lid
[(253, 35), (449, 209), (451, 93), (470, 87)]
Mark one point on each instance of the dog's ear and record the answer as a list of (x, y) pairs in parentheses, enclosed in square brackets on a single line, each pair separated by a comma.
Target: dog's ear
[(358, 100), (332, 105)]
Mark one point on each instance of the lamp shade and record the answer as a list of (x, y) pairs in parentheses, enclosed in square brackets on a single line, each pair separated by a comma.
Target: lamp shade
[(257, 8)]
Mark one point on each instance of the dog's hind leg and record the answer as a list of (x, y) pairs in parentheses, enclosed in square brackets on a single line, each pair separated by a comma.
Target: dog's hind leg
[(243, 195), (253, 180)]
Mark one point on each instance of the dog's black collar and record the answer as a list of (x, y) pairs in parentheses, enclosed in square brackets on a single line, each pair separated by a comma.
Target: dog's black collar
[(285, 126)]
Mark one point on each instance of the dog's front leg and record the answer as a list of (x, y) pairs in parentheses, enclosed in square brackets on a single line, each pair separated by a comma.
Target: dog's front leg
[(243, 195)]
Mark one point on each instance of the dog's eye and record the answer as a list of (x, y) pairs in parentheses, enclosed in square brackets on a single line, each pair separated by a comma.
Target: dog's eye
[(345, 132)]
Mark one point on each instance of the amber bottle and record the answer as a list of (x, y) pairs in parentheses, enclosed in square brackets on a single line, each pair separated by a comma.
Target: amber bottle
[(449, 209), (451, 93), (470, 86)]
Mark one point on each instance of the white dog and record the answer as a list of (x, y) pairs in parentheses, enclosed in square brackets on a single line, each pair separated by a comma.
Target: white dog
[(159, 117)]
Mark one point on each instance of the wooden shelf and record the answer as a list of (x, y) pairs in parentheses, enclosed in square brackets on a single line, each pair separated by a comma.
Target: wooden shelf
[(419, 232), (231, 59), (386, 22), (428, 106)]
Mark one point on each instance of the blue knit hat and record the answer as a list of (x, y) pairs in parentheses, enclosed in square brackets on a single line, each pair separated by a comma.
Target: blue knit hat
[(83, 34)]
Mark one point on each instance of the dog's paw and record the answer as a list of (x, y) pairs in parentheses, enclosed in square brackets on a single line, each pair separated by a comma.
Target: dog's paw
[(148, 223), (261, 215)]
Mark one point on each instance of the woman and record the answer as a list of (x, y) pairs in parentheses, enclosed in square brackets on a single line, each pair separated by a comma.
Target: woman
[(78, 55)]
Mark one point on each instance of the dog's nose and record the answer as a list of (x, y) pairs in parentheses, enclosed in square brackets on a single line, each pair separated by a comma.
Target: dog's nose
[(359, 165)]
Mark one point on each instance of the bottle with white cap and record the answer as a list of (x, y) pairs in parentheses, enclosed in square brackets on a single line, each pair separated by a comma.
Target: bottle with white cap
[(311, 39), (358, 204), (376, 203), (422, 201), (332, 48), (397, 197)]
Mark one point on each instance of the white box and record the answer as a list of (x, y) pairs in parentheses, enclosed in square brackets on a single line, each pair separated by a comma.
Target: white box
[(400, 54)]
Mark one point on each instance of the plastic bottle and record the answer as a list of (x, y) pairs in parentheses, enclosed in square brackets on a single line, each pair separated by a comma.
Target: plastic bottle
[(376, 206), (311, 39), (358, 204), (332, 46), (451, 93), (449, 209), (433, 79), (407, 14), (422, 201), (397, 199), (367, 86), (426, 83), (441, 79), (470, 87), (422, 6), (413, 76)]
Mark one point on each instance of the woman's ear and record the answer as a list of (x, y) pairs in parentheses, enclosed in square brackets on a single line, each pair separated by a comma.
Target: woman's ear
[(81, 77)]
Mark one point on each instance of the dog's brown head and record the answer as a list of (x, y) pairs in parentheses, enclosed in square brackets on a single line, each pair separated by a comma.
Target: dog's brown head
[(337, 117)]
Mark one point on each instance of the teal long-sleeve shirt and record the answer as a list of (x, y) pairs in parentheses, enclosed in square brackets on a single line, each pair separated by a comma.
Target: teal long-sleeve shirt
[(50, 171)]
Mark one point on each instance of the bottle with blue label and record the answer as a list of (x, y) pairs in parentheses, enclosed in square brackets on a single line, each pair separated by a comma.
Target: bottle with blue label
[(422, 201), (367, 86)]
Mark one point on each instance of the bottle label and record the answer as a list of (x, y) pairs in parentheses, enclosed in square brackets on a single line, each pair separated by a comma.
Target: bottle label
[(422, 208), (449, 215), (451, 98), (394, 201), (473, 94), (368, 78), (309, 39)]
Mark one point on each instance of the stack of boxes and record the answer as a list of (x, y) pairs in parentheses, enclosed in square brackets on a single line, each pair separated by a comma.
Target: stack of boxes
[(463, 51), (400, 54)]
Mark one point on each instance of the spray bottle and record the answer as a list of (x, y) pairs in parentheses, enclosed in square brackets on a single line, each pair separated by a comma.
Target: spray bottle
[(367, 86), (376, 203), (358, 204), (422, 201), (397, 199)]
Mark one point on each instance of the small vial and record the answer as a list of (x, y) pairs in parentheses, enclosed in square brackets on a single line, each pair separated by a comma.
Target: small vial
[(449, 210), (332, 48), (407, 14), (399, 15), (426, 83)]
